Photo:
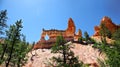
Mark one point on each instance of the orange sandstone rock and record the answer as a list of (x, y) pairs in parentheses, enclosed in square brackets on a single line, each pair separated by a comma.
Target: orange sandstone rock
[(77, 35), (68, 34), (108, 23), (71, 28)]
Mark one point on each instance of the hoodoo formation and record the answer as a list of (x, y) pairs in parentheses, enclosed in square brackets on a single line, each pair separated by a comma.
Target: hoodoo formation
[(68, 34), (108, 23)]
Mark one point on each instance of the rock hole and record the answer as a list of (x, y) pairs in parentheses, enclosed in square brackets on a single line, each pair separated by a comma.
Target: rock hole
[(46, 37)]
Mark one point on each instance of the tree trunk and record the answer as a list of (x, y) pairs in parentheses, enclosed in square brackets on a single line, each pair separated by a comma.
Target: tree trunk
[(18, 64), (10, 56), (4, 49), (64, 53)]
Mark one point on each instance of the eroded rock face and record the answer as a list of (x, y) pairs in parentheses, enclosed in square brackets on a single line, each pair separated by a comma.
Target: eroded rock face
[(68, 34), (71, 28), (77, 35), (108, 23), (97, 29)]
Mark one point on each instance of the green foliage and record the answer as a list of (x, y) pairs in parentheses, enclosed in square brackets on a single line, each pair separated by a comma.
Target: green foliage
[(86, 36), (3, 19), (104, 31), (1, 50), (112, 52), (59, 45), (15, 46), (84, 39), (116, 35), (92, 41), (101, 63), (80, 40), (95, 45), (66, 58), (88, 39), (3, 25), (109, 34)]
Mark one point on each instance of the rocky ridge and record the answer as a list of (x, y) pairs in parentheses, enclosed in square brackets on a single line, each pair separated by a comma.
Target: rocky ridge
[(108, 23)]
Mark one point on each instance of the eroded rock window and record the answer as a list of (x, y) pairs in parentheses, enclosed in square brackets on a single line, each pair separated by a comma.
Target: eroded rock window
[(46, 37)]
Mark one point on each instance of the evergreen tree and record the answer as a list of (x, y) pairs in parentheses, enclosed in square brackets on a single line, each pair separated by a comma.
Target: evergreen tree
[(112, 53), (116, 35), (17, 48), (3, 25), (86, 36), (13, 37), (67, 58), (3, 19), (19, 53), (103, 33), (80, 40), (88, 39)]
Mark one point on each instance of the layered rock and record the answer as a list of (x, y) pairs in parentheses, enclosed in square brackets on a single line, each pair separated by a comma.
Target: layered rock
[(71, 28), (108, 23), (68, 34)]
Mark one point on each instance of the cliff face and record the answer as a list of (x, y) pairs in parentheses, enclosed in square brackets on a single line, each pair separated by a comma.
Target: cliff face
[(108, 23), (68, 34)]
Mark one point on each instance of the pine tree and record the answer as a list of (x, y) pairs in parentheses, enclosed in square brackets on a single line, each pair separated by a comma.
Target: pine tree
[(17, 48), (3, 25), (67, 58), (13, 37), (116, 35), (80, 40), (112, 52), (3, 19), (103, 33), (86, 36)]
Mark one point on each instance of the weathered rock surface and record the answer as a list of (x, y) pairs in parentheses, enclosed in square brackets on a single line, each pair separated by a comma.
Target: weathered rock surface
[(86, 54), (68, 34), (108, 23), (77, 35)]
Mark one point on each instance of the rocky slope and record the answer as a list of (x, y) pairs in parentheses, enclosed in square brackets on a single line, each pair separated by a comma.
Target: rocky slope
[(86, 54)]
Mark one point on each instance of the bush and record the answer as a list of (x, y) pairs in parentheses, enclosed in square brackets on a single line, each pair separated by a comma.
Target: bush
[(86, 36), (116, 35), (80, 40), (92, 40)]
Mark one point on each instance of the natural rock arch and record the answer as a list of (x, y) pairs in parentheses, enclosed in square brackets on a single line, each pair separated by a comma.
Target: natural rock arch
[(69, 35)]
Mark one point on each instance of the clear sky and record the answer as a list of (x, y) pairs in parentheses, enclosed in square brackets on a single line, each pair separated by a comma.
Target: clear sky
[(50, 14)]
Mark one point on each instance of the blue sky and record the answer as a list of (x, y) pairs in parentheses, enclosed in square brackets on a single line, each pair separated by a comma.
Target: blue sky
[(50, 14)]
